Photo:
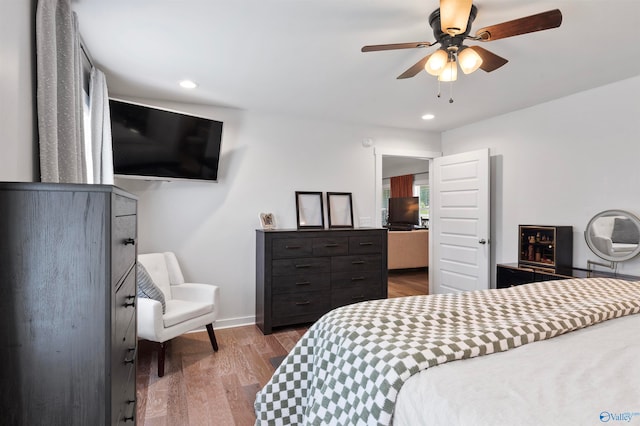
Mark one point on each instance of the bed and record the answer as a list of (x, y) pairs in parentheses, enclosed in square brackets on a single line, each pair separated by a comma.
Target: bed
[(555, 352)]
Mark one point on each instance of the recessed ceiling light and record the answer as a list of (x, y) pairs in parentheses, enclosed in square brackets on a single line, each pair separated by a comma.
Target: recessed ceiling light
[(428, 117), (188, 84)]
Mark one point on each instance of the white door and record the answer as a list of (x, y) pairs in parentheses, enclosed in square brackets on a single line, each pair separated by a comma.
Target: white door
[(459, 217)]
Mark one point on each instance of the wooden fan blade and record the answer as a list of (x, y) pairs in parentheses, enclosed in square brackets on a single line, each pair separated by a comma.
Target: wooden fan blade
[(490, 61), (394, 46), (415, 69), (541, 21)]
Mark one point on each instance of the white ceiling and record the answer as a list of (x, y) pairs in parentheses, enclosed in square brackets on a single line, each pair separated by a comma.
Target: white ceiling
[(302, 57)]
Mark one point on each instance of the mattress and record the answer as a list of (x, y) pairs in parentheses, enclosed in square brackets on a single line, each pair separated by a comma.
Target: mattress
[(578, 378)]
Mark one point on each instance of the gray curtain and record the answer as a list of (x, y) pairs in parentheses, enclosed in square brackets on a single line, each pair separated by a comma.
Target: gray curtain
[(59, 93), (101, 149)]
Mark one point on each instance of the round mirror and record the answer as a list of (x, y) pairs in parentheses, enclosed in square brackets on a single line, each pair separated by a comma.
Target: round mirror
[(614, 235)]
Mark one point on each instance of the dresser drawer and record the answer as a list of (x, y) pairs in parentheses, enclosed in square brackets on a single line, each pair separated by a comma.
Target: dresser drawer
[(123, 248), (303, 304), (330, 246), (123, 206), (124, 310), (291, 247), (125, 404), (356, 279), (302, 266), (123, 372), (298, 283), (365, 262), (365, 244), (354, 294)]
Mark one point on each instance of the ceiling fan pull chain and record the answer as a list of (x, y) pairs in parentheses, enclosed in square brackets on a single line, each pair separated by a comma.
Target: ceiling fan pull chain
[(451, 93), (439, 88)]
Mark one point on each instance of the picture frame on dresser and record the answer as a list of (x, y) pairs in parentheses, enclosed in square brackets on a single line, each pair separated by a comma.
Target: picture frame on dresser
[(309, 210), (267, 221), (339, 210)]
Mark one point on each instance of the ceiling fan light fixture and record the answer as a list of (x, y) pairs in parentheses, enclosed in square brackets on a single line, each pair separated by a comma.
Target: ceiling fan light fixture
[(454, 15), (436, 62), (450, 72), (469, 60)]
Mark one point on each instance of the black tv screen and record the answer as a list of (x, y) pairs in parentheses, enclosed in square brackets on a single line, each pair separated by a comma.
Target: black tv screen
[(155, 143), (404, 211)]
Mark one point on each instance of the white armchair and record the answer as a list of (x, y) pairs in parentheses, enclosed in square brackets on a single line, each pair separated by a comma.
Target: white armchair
[(188, 305)]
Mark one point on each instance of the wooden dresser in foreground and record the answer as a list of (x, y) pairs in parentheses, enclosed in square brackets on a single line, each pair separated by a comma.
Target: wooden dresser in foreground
[(303, 274), (67, 305)]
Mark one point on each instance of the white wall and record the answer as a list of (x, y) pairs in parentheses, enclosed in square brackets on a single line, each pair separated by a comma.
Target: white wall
[(17, 98), (265, 159), (560, 163)]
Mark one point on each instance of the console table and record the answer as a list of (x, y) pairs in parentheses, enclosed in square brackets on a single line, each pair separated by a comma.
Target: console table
[(511, 274), (303, 274)]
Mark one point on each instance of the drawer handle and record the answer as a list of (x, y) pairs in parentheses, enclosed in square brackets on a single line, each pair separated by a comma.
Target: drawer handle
[(292, 247), (129, 304), (306, 302), (303, 265), (133, 357), (366, 243), (331, 245), (357, 278), (304, 283), (129, 241), (358, 262)]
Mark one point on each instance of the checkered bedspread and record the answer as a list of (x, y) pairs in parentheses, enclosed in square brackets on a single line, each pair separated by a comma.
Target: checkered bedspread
[(350, 365)]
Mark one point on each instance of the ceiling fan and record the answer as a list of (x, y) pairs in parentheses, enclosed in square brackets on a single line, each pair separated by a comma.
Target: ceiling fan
[(451, 25)]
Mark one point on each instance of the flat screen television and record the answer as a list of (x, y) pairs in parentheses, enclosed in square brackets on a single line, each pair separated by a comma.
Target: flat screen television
[(153, 143), (404, 211)]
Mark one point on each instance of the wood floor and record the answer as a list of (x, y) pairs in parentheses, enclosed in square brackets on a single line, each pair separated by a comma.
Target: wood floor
[(201, 387)]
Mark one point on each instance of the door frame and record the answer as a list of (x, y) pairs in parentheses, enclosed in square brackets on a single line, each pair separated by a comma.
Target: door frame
[(379, 153)]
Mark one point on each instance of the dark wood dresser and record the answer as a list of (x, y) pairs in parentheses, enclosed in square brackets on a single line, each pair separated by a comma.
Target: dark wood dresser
[(512, 274), (303, 274), (67, 304)]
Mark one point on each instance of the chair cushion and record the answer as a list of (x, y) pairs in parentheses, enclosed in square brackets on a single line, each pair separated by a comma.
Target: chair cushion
[(625, 231), (181, 310), (147, 288)]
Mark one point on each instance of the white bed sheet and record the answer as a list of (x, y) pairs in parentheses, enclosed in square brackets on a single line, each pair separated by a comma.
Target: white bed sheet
[(571, 379)]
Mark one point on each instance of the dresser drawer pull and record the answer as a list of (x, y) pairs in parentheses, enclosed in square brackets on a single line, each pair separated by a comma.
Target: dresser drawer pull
[(357, 278), (366, 243), (304, 283), (292, 247), (306, 302), (133, 356), (303, 265), (130, 304), (331, 245), (358, 262), (129, 241)]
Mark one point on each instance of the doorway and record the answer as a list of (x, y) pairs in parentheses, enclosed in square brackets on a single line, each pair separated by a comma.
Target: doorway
[(402, 282)]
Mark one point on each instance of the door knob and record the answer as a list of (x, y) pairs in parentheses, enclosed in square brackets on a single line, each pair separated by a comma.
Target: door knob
[(482, 241)]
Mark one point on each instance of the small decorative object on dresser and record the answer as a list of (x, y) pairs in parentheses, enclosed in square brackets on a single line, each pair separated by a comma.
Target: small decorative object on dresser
[(267, 221), (309, 210), (339, 210), (68, 305)]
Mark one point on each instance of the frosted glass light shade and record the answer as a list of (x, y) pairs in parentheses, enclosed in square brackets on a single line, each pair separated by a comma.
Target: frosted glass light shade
[(469, 60), (454, 15), (450, 72), (436, 62)]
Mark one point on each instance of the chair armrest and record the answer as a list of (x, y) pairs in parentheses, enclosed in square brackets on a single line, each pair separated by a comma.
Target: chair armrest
[(195, 292), (604, 244), (149, 316)]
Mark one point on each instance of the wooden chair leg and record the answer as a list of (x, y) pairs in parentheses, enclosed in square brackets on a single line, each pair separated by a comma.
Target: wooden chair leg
[(212, 337), (161, 353)]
